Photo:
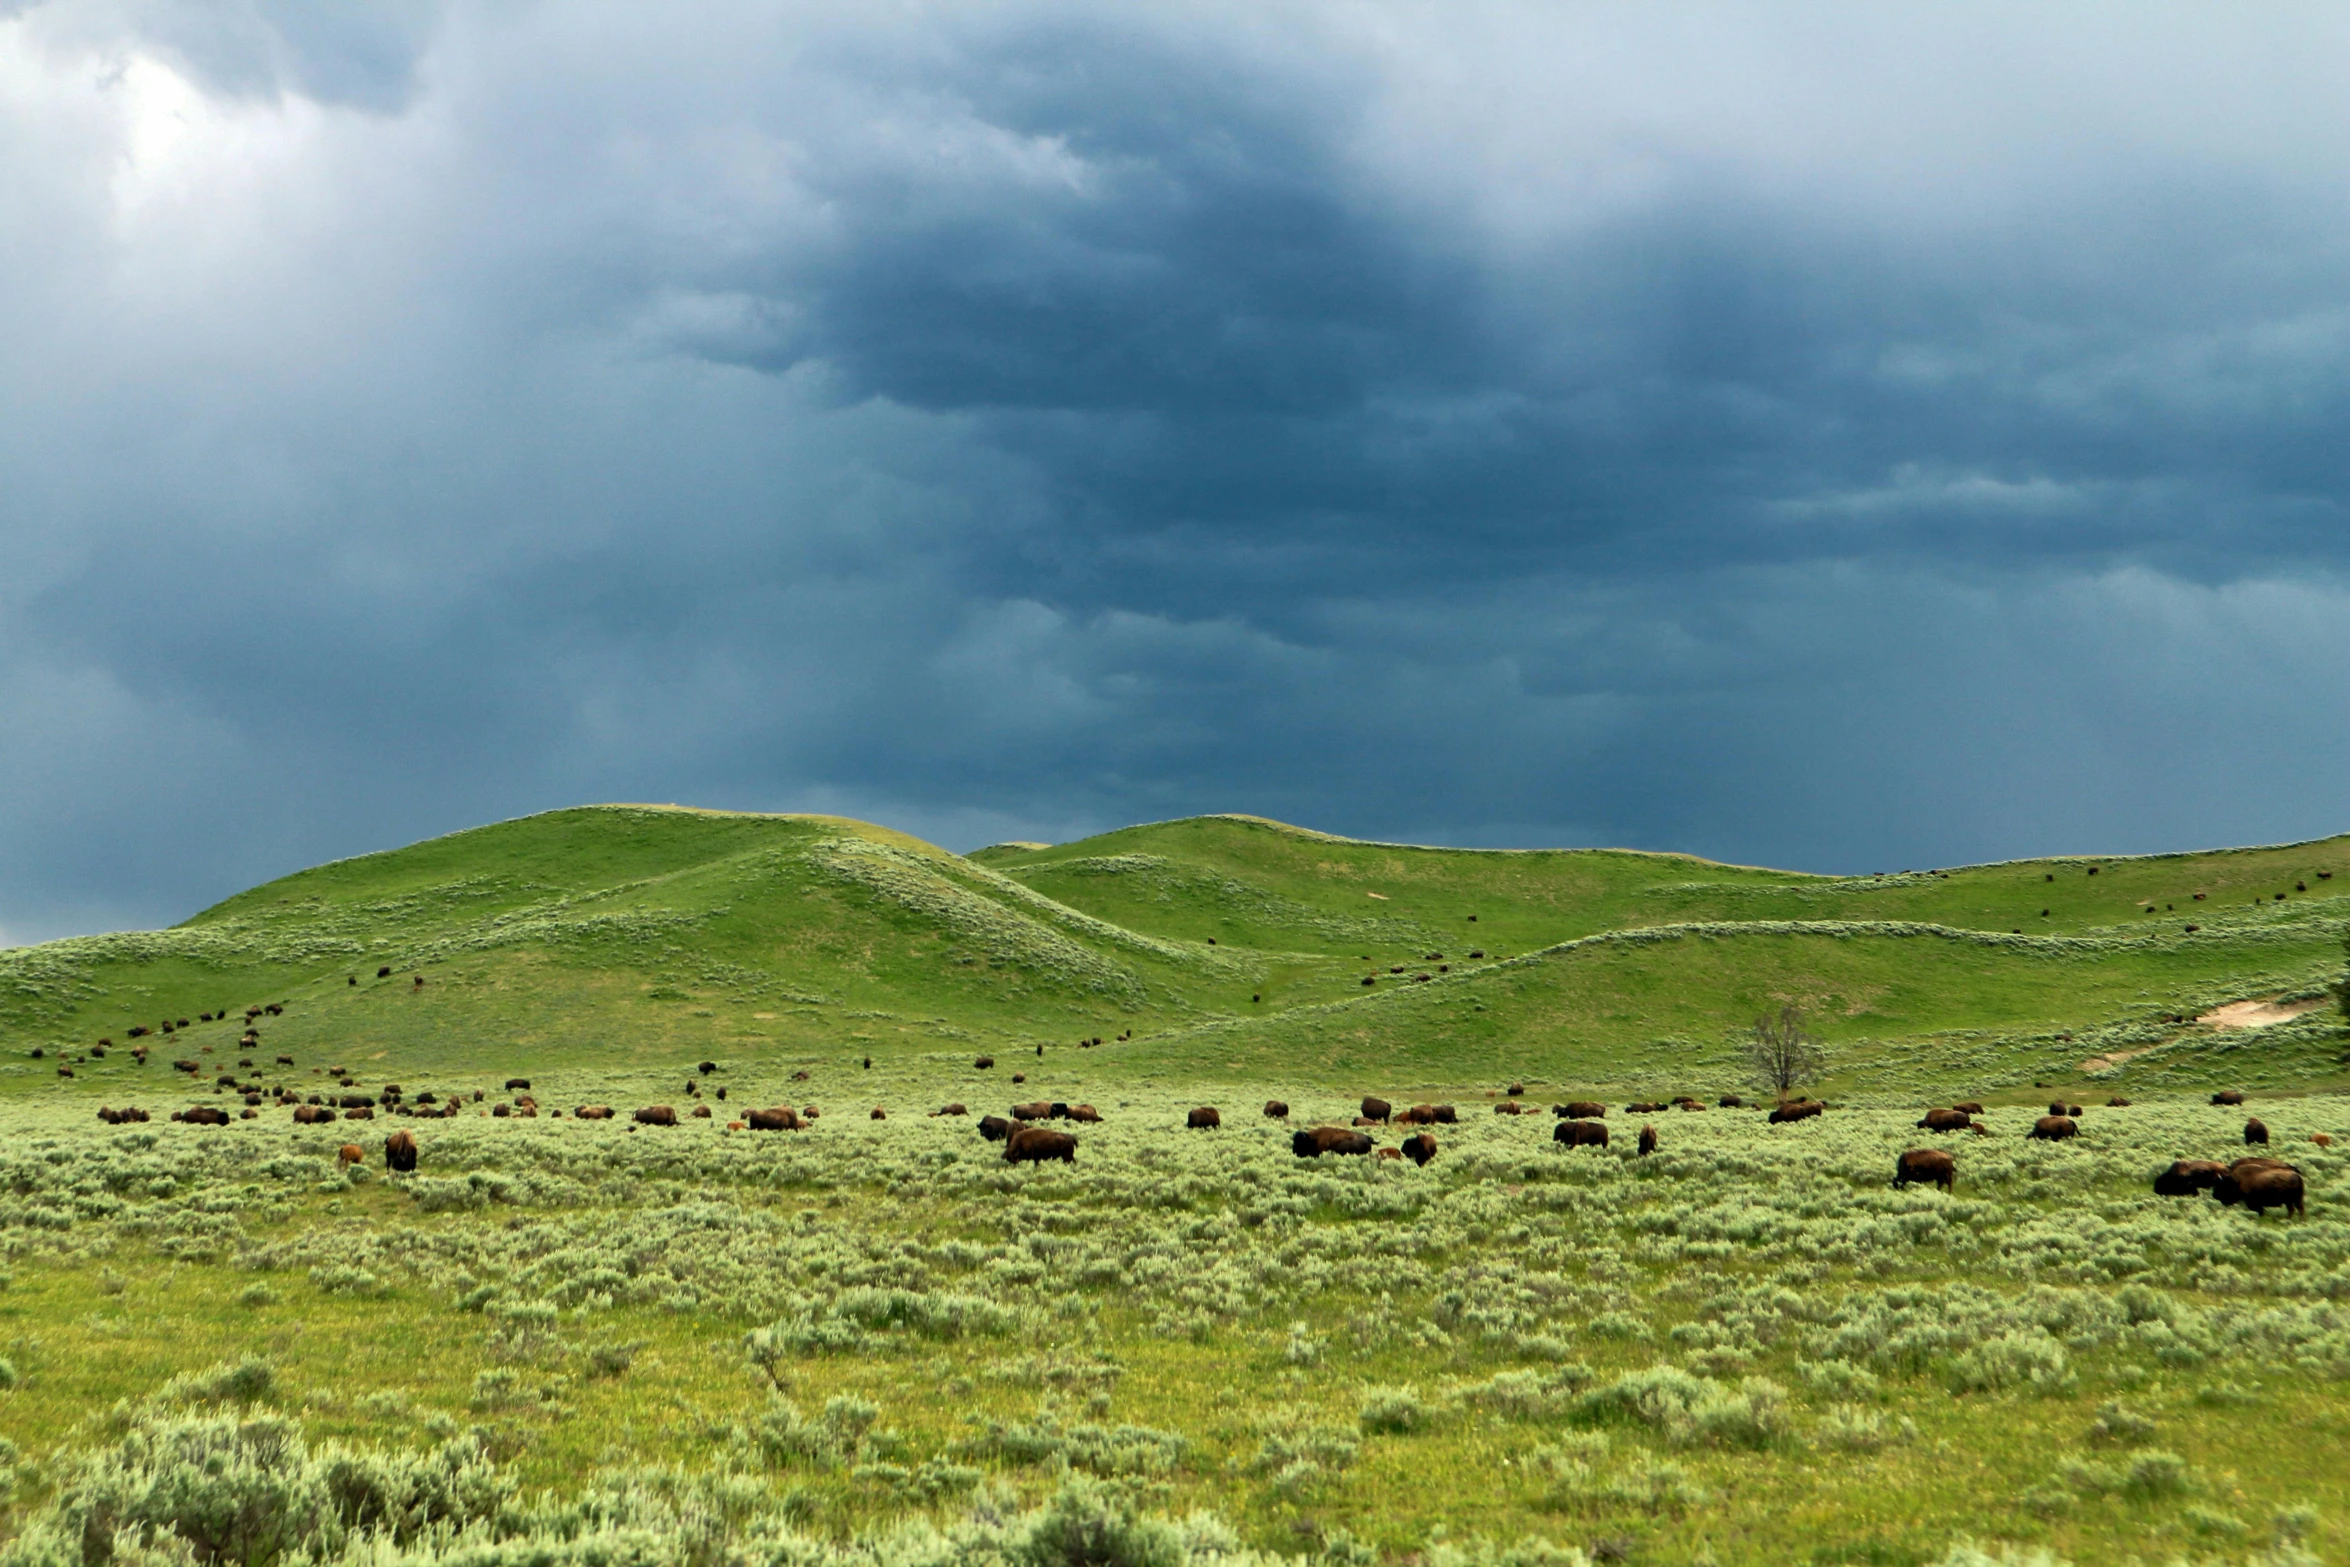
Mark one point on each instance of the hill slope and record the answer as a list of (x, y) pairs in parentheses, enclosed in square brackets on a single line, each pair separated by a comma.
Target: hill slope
[(630, 938)]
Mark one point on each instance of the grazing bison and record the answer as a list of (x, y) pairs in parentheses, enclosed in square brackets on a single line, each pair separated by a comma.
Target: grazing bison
[(994, 1128), (1392, 1153), (779, 1118), (1516, 1089), (350, 1154), (984, 1062), (1643, 1107), (706, 1067), (1579, 1110), (953, 1109), (311, 1115), (1328, 1139), (363, 1113), (1419, 1148), (593, 1113), (1799, 1110), (2319, 1138), (1276, 1110), (2260, 1184), (2186, 1177), (1447, 1116), (202, 1115), (2074, 1111), (1036, 1144), (1687, 1104), (1925, 1164), (655, 1115), (1376, 1109), (1578, 1134), (1084, 1113), (880, 1114), (1509, 1107), (2053, 1129), (1731, 1102), (285, 1060), (1417, 1115), (1647, 1143), (1036, 1110), (1204, 1118), (2255, 1131), (514, 1083), (701, 1112), (1970, 1106), (2228, 1096), (1952, 1120), (2117, 1102), (400, 1153)]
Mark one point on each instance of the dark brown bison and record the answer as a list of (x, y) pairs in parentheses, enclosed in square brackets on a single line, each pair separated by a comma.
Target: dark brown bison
[(1647, 1142), (706, 1067), (1970, 1106), (1951, 1120), (400, 1153), (954, 1109), (1417, 1115), (1798, 1110), (2255, 1131), (593, 1113), (1579, 1110), (2058, 1107), (363, 1113), (1925, 1164), (1643, 1107), (2260, 1184), (1446, 1115), (2054, 1128), (655, 1115), (2228, 1096), (2117, 1102), (2074, 1111), (311, 1115), (994, 1128), (1509, 1107), (880, 1114), (1037, 1110), (1328, 1139), (2186, 1177), (984, 1062), (1276, 1110), (1731, 1102), (1376, 1109), (1419, 1148), (1578, 1134), (1687, 1104), (1516, 1089), (1036, 1144), (701, 1112), (1203, 1118), (202, 1115), (1084, 1113), (514, 1083), (781, 1118)]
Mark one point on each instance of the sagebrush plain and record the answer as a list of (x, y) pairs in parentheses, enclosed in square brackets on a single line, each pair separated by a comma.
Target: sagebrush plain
[(563, 1340)]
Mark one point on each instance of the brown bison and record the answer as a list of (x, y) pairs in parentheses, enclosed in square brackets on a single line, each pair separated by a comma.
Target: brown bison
[(1085, 1113), (1516, 1089), (1647, 1143), (2186, 1177), (1376, 1109), (1731, 1102), (1509, 1107), (994, 1128), (1036, 1110), (350, 1154), (1204, 1118), (1925, 1164), (1951, 1120), (1417, 1115), (2053, 1129), (1328, 1139), (1970, 1106), (655, 1115), (1687, 1104), (1036, 1144), (593, 1113), (954, 1109), (1799, 1110), (363, 1113), (311, 1115), (1578, 1134), (514, 1083), (2228, 1096), (2255, 1131), (1579, 1110), (1392, 1153), (2319, 1138), (2260, 1184), (1643, 1107), (2074, 1111), (1419, 1148), (2117, 1102), (400, 1153), (781, 1118), (701, 1112), (1446, 1115), (1276, 1110), (2058, 1107), (880, 1114), (984, 1062)]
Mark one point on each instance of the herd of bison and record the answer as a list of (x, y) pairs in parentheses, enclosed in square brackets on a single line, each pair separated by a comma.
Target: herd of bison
[(2257, 1182)]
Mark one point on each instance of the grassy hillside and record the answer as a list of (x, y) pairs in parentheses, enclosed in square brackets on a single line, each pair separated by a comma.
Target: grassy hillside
[(873, 1340), (639, 939)]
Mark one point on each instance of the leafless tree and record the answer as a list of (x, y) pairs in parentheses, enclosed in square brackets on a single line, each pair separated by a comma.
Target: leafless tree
[(1781, 1054)]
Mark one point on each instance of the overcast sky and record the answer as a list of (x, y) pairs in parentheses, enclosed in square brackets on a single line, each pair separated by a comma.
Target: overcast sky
[(1845, 438)]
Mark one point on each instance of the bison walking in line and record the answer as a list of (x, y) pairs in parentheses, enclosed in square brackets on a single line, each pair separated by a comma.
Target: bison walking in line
[(1925, 1164)]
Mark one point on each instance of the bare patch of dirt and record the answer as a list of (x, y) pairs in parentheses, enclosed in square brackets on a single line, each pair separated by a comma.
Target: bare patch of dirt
[(2258, 1014), (2106, 1063)]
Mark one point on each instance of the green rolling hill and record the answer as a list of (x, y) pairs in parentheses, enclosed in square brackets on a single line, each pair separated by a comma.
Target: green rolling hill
[(627, 939)]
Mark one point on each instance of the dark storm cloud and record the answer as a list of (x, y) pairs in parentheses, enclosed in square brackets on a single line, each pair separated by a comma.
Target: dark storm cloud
[(1835, 440)]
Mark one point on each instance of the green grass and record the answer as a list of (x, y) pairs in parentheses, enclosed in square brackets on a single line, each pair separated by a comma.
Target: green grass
[(1335, 1356)]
